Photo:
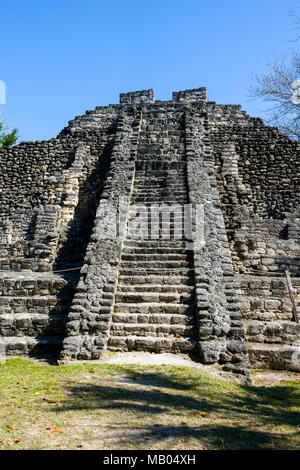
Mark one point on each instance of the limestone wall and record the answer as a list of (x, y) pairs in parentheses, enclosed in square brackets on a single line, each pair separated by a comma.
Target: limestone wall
[(91, 311), (49, 194), (257, 171)]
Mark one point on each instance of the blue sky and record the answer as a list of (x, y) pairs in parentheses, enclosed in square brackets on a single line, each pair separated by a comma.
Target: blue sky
[(62, 57)]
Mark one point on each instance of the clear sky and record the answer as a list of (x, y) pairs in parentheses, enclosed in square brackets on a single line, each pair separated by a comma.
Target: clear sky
[(62, 57)]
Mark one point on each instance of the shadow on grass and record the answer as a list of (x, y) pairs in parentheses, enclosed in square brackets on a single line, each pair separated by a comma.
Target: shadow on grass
[(234, 418), (210, 436)]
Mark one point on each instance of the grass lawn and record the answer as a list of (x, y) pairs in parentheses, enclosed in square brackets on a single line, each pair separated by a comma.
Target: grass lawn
[(102, 406)]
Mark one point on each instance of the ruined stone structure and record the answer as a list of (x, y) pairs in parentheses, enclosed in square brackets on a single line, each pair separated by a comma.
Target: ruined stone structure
[(72, 287)]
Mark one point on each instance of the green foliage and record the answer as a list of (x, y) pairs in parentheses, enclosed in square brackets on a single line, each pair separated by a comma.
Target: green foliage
[(7, 138), (280, 86)]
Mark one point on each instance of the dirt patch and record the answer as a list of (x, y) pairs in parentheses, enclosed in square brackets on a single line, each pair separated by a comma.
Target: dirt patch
[(272, 378), (259, 378)]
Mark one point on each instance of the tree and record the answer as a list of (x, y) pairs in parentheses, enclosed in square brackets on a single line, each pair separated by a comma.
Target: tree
[(281, 87), (7, 137)]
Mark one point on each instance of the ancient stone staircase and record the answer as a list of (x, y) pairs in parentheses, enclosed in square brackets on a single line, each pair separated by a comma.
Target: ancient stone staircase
[(154, 306)]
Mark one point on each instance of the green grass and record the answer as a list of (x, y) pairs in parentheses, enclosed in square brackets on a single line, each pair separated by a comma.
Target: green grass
[(101, 406)]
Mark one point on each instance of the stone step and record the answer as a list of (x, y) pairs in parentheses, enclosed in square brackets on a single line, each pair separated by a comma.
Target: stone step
[(144, 158), (256, 282), (32, 324), (151, 344), (154, 152), (153, 185), (160, 166), (141, 297), (154, 229), (154, 318), (162, 141), (272, 331), (154, 232), (266, 307), (22, 264), (167, 132), (181, 257), (278, 315), (18, 346), (153, 330), (165, 184), (154, 307), (162, 189), (155, 288), (158, 240), (275, 356), (159, 151), (35, 304), (265, 300), (154, 226), (157, 279), (160, 243), (163, 166), (160, 192), (156, 215), (159, 195), (153, 178), (165, 236), (161, 173), (149, 200), (34, 284), (155, 155), (149, 185), (159, 211), (140, 250), (163, 146), (156, 177), (159, 263), (145, 272)]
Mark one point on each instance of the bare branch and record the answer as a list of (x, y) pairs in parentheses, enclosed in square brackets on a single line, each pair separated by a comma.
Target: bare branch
[(281, 87)]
